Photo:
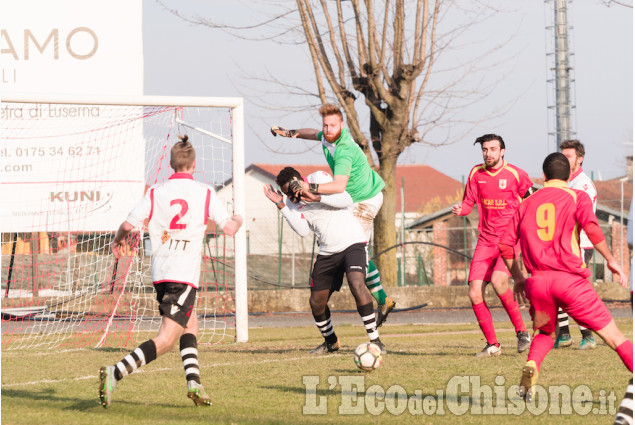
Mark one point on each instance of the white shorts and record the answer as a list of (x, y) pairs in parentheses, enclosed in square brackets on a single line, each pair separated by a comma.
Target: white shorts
[(366, 211)]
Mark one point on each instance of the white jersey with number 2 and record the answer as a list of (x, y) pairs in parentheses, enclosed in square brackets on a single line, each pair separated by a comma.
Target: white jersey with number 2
[(177, 213)]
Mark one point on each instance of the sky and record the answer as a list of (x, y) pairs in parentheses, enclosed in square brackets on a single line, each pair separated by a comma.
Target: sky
[(195, 60)]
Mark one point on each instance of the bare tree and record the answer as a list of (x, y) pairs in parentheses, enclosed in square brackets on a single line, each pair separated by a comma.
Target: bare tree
[(387, 53), (626, 3)]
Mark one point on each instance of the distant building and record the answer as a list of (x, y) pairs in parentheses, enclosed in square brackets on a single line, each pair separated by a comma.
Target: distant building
[(457, 233), (424, 187)]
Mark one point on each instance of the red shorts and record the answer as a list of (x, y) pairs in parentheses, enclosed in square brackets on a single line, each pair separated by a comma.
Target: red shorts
[(486, 259), (546, 291)]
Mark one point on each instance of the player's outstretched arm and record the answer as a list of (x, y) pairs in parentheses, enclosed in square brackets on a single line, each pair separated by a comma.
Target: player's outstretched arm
[(117, 242), (611, 263), (232, 225), (338, 185), (596, 237), (297, 222), (302, 133), (336, 200), (273, 195)]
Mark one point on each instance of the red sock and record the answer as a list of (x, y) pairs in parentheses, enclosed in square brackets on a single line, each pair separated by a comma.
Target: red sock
[(540, 346), (512, 309), (625, 351), (485, 322)]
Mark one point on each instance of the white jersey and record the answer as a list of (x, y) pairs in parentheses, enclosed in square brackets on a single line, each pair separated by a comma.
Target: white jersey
[(334, 224), (581, 181), (177, 213)]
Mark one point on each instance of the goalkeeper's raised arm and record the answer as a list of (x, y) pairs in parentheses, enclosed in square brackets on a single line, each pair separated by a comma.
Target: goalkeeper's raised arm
[(302, 133)]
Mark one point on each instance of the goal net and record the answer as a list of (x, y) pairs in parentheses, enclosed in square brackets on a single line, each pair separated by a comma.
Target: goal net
[(70, 171)]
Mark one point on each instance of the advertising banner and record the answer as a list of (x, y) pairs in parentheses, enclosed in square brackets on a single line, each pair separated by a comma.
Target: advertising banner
[(70, 167)]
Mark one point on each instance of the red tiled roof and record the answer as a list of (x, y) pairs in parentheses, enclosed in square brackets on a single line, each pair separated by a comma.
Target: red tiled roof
[(610, 193), (422, 183)]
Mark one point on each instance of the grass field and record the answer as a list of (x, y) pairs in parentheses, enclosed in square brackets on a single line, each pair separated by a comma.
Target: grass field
[(262, 382)]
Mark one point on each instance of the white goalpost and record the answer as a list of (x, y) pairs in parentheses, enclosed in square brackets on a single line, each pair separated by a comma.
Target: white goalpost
[(71, 168)]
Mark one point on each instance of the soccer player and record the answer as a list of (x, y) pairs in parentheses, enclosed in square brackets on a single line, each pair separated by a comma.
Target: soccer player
[(574, 151), (177, 212), (352, 174), (547, 224), (342, 250), (497, 188)]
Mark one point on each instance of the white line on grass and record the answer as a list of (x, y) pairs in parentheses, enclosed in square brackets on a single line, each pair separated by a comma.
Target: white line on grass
[(82, 378), (164, 369), (43, 353)]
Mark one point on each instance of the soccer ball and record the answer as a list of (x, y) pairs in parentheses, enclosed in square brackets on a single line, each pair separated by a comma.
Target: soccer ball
[(367, 356)]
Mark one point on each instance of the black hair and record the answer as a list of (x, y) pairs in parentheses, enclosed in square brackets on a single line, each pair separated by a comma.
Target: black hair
[(488, 137), (286, 175), (556, 166)]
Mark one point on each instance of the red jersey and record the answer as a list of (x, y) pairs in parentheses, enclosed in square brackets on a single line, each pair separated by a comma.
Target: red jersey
[(548, 226), (497, 194)]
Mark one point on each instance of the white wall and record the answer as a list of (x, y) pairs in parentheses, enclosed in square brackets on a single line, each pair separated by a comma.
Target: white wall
[(262, 221)]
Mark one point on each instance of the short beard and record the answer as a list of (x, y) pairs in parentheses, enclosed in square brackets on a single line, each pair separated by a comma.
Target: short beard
[(495, 163), (337, 136)]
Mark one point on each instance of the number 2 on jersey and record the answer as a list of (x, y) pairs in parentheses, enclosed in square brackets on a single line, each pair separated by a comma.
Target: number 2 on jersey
[(546, 221), (174, 224)]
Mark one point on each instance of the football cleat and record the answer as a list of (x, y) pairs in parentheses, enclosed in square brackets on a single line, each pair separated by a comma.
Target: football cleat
[(490, 350), (528, 381), (196, 392), (524, 341), (326, 348), (107, 384), (380, 344), (587, 343), (384, 309), (564, 340)]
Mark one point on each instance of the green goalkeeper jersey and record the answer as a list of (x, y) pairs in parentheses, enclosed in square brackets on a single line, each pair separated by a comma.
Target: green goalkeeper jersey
[(346, 158)]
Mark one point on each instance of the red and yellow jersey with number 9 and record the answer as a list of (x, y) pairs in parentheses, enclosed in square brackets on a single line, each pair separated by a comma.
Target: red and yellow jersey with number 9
[(548, 225)]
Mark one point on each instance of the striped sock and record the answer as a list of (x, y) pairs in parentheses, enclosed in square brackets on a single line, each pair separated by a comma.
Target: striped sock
[(189, 355), (625, 412), (373, 283), (368, 317), (142, 355), (563, 322), (323, 323)]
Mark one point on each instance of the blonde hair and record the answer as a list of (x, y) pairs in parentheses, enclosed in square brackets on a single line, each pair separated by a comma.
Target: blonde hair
[(182, 155), (330, 109)]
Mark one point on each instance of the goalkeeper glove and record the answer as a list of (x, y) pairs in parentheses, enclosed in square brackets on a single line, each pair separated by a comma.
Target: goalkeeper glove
[(275, 130), (295, 185)]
